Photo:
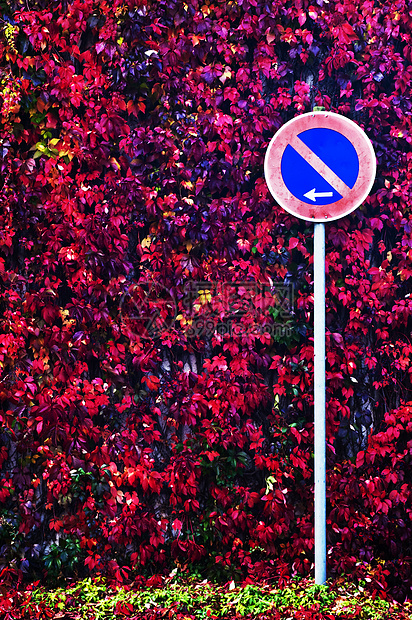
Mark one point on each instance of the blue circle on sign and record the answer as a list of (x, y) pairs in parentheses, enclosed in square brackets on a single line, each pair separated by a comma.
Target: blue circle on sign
[(335, 150)]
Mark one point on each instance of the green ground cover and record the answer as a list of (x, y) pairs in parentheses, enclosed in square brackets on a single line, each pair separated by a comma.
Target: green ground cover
[(183, 599)]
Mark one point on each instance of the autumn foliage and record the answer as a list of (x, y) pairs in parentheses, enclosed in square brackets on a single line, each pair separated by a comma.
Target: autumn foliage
[(138, 434)]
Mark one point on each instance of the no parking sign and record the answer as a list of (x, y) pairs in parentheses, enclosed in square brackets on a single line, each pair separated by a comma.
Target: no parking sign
[(320, 166)]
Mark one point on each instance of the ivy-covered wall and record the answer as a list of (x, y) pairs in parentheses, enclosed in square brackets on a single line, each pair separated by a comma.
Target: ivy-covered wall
[(156, 335)]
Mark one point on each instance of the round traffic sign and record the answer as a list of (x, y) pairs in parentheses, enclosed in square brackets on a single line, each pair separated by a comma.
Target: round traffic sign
[(320, 166)]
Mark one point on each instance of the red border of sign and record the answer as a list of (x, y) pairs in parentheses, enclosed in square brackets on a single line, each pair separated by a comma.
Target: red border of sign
[(335, 210)]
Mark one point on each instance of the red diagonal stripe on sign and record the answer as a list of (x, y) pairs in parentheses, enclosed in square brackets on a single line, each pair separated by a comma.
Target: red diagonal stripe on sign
[(320, 166)]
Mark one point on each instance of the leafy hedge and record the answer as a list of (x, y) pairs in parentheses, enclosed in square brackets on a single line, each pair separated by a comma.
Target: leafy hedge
[(194, 600), (156, 305)]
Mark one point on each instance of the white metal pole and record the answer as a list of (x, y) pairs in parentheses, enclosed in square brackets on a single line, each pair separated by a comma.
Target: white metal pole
[(320, 402)]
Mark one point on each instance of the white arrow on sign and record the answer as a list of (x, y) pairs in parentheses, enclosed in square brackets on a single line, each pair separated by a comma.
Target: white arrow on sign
[(313, 194)]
